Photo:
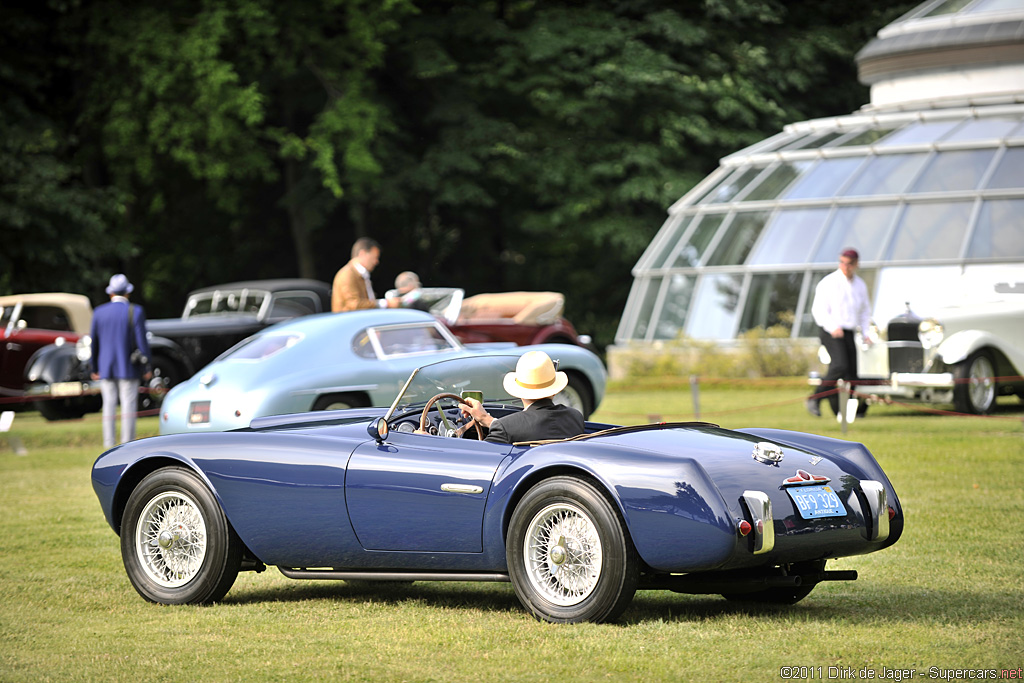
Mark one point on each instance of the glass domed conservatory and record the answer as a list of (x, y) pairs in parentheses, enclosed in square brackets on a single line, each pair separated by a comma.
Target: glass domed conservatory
[(927, 182)]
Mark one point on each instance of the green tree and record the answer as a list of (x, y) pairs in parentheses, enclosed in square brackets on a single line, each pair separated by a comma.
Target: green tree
[(539, 144), (238, 98), (53, 222)]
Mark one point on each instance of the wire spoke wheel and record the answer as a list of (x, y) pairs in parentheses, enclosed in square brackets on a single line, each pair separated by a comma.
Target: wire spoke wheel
[(171, 539), (570, 557), (177, 546), (563, 554)]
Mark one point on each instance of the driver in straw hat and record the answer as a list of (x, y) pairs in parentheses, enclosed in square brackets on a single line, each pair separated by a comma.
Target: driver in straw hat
[(535, 381)]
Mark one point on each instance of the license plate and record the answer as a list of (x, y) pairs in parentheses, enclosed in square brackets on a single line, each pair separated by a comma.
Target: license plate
[(199, 413), (66, 389), (813, 502)]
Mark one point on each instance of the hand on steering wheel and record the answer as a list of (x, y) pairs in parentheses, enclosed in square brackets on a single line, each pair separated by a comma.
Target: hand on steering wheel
[(453, 431)]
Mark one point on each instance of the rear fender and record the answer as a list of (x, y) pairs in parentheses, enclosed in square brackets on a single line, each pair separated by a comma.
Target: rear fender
[(855, 456), (675, 515)]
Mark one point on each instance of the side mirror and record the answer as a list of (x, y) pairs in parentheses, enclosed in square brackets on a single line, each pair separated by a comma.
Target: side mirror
[(378, 429)]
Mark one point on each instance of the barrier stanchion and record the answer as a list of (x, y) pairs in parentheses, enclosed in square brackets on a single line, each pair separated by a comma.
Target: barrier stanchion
[(6, 421), (695, 393), (844, 398)]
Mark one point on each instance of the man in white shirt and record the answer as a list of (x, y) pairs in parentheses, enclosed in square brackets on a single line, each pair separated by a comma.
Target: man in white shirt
[(841, 307)]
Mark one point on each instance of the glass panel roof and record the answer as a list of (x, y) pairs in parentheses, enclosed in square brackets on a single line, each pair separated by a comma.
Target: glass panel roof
[(667, 241), (790, 236), (825, 179), (931, 231), (732, 185), (1000, 230), (777, 180), (864, 137), (886, 174), (677, 305), (738, 239), (955, 170), (942, 191), (983, 129), (650, 288), (716, 309), (918, 132), (771, 300), (815, 140), (1010, 171), (691, 251), (947, 7), (862, 227)]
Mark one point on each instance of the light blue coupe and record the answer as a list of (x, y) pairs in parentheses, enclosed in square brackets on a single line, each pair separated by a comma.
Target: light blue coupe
[(343, 360)]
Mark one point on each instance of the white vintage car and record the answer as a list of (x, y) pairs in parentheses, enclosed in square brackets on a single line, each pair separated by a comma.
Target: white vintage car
[(967, 355)]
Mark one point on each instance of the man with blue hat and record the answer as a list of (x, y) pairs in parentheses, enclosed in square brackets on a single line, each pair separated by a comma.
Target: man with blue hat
[(120, 353)]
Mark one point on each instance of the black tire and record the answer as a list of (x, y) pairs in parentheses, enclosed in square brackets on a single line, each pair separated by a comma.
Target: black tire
[(166, 374), (170, 519), (782, 596), (60, 409), (589, 572), (975, 389), (577, 394), (339, 402)]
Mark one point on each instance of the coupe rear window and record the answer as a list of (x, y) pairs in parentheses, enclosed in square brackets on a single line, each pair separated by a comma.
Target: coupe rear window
[(265, 346), (401, 340), (225, 301)]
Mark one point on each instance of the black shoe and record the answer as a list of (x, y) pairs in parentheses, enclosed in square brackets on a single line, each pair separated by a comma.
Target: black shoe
[(813, 408)]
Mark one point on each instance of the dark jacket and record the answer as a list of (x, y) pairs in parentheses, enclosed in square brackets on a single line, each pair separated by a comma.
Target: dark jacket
[(113, 342), (542, 420)]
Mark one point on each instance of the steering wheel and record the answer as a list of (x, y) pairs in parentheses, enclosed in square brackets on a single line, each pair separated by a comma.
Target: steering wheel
[(455, 432)]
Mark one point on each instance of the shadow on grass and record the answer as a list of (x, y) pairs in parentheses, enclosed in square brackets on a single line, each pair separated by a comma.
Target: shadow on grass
[(486, 596), (887, 604)]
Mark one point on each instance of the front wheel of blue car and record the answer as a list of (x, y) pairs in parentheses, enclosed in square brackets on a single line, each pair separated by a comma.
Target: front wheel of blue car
[(570, 557), (177, 546)]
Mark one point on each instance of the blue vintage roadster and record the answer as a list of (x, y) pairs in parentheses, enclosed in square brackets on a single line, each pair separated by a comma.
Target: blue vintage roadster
[(576, 525)]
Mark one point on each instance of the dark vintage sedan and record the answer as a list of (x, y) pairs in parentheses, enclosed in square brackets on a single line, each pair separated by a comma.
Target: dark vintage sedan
[(30, 322), (215, 318), (575, 525)]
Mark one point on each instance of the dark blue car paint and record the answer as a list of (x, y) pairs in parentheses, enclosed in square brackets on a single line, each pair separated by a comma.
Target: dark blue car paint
[(323, 494)]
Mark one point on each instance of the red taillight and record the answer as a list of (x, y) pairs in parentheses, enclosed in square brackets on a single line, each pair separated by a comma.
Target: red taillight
[(238, 413), (892, 512), (745, 527)]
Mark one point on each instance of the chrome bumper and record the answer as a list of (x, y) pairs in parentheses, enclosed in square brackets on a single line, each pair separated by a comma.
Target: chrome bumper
[(63, 389)]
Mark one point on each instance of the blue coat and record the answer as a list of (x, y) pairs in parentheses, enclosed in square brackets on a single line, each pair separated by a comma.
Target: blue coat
[(112, 341)]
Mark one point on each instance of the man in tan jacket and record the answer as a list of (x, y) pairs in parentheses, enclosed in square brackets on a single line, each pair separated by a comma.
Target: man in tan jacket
[(352, 289)]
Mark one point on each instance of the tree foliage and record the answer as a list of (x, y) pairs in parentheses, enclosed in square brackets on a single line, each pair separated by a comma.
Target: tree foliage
[(495, 144)]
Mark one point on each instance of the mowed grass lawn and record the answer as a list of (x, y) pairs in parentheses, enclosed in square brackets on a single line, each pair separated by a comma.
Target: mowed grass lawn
[(949, 595)]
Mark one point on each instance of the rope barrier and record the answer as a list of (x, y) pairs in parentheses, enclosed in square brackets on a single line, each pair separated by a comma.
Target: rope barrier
[(853, 394)]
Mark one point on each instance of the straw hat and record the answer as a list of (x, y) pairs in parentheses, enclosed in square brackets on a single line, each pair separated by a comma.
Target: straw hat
[(535, 377)]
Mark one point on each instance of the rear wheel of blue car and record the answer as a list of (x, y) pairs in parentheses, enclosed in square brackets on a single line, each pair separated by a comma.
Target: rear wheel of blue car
[(177, 545), (569, 553)]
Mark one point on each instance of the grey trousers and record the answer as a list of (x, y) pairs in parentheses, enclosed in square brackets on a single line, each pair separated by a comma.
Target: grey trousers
[(128, 392)]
